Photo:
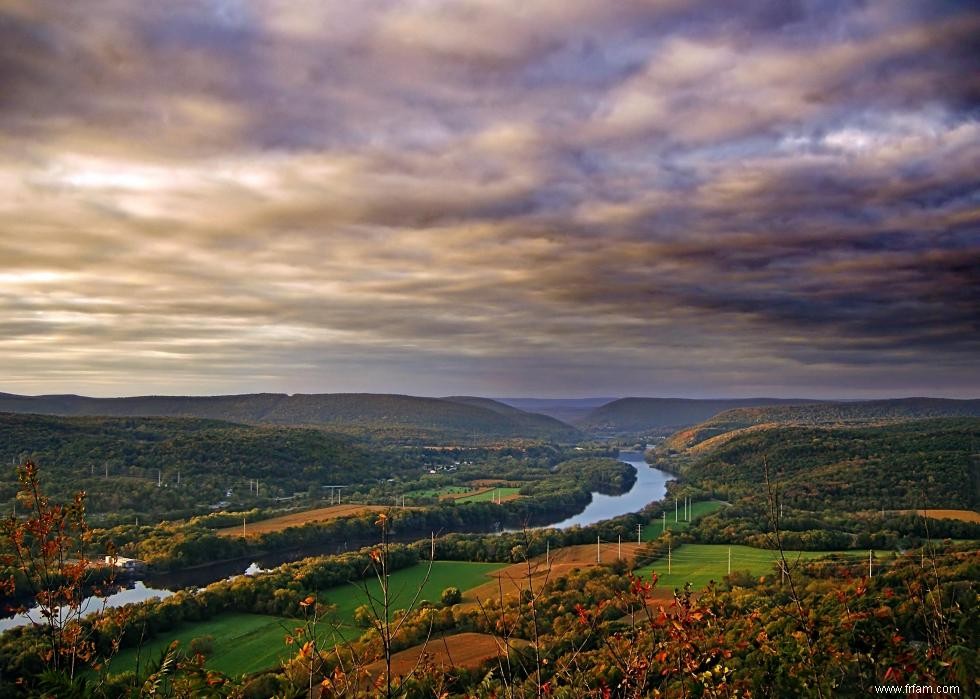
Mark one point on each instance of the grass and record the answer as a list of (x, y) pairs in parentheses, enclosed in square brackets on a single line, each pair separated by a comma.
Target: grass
[(402, 585), (251, 642), (698, 564), (504, 493), (698, 509), (242, 643), (439, 492)]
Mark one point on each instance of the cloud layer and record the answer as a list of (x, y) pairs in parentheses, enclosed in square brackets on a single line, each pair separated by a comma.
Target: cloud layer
[(478, 196)]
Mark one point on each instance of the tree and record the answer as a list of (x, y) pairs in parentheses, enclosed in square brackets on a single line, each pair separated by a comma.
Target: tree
[(45, 548), (451, 596)]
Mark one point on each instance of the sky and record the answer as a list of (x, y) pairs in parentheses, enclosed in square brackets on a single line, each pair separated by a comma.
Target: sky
[(491, 197)]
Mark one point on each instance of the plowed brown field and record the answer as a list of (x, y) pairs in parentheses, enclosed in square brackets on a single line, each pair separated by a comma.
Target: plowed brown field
[(961, 515), (466, 650), (511, 580), (298, 519)]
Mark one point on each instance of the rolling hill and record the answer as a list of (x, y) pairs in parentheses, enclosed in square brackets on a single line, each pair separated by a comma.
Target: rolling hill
[(640, 415), (854, 413), (118, 461), (362, 414), (927, 463), (569, 410)]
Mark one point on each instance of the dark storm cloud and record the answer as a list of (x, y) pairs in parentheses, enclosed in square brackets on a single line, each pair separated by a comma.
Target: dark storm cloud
[(495, 197)]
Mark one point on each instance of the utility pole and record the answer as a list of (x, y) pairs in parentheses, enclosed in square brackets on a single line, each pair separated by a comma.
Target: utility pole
[(598, 552), (729, 560), (432, 551), (675, 510), (668, 555), (159, 478), (665, 523), (243, 526), (639, 534), (869, 564)]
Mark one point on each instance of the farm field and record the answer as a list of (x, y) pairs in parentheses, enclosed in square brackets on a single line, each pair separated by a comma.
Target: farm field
[(298, 519), (698, 509), (404, 583), (512, 579), (490, 494), (961, 515), (242, 643), (465, 650), (448, 490), (698, 564), (461, 493), (250, 642)]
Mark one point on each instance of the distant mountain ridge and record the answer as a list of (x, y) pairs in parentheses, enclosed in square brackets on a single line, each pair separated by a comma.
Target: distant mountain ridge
[(570, 410), (636, 415), (823, 414), (355, 413)]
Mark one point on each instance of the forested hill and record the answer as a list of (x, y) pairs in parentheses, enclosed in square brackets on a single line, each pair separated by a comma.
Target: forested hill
[(118, 461), (861, 412), (545, 423), (569, 410), (930, 463), (394, 415), (373, 415), (638, 415)]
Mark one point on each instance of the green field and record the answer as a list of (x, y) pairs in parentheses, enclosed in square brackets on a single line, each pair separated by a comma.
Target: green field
[(698, 509), (242, 643), (439, 492), (698, 564), (404, 583), (503, 492), (250, 642)]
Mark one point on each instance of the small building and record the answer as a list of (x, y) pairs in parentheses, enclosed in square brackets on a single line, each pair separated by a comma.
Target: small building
[(128, 565)]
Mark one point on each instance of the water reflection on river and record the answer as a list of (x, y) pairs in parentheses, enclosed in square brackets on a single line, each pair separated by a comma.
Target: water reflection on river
[(651, 485), (137, 593)]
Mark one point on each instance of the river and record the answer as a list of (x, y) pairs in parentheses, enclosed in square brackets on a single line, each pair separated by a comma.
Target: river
[(137, 593), (650, 485)]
